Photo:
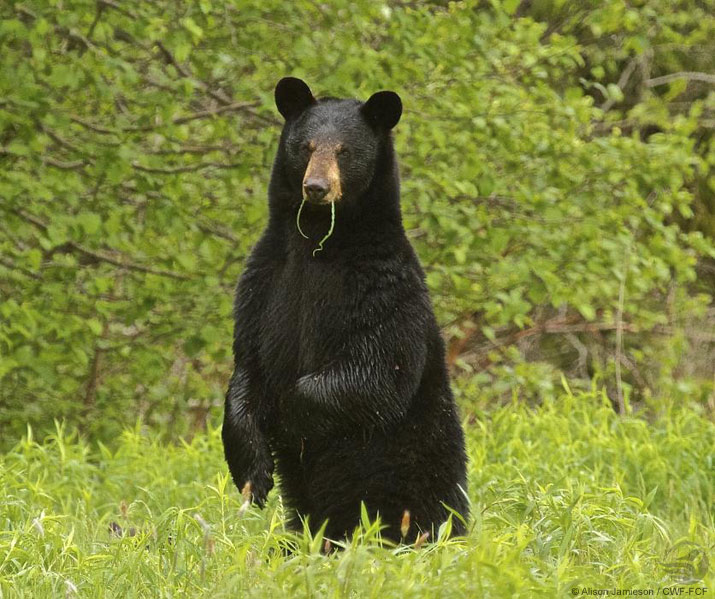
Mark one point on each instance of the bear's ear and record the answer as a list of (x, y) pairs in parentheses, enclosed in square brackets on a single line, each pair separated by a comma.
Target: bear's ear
[(383, 109), (293, 96)]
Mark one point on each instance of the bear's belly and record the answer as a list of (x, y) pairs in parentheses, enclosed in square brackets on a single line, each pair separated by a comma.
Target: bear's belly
[(303, 324)]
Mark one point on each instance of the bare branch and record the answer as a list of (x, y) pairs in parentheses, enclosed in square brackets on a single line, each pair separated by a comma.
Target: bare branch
[(96, 128), (622, 80), (25, 11), (189, 168), (202, 114), (68, 166), (217, 95), (103, 257), (690, 75), (75, 37), (116, 6), (191, 150), (94, 375), (61, 140), (128, 265), (214, 229), (12, 266), (619, 334), (172, 60), (97, 16), (220, 110), (65, 32)]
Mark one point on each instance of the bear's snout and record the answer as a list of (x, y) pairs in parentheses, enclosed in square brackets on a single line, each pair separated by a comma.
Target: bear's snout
[(321, 181), (315, 189)]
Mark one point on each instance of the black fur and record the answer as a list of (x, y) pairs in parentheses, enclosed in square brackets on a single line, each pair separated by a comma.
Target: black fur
[(340, 375)]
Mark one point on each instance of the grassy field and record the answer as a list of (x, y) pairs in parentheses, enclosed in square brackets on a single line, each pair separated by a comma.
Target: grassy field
[(564, 495)]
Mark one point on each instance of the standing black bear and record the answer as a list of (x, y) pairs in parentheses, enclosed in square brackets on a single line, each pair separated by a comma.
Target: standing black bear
[(339, 364)]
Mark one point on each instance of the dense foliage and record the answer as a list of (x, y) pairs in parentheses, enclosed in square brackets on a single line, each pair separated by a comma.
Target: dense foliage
[(599, 513), (555, 160)]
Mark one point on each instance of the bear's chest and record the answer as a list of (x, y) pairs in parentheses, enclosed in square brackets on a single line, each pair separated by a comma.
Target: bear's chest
[(305, 321)]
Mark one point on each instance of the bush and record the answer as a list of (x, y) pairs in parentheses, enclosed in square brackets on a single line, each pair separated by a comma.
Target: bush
[(134, 158)]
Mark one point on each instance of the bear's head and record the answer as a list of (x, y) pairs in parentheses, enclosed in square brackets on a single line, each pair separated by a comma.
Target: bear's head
[(330, 147)]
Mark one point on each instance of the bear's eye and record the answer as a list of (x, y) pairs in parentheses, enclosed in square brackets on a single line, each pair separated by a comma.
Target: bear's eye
[(343, 151), (308, 146)]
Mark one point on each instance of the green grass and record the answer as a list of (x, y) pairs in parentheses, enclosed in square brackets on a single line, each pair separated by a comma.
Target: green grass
[(563, 495)]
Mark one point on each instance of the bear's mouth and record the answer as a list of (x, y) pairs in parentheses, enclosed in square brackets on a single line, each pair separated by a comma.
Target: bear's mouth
[(325, 201)]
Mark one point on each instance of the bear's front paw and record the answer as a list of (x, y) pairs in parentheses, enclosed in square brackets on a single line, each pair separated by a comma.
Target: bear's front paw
[(256, 487)]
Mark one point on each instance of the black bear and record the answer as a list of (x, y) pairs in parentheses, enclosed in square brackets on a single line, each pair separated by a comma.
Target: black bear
[(340, 375)]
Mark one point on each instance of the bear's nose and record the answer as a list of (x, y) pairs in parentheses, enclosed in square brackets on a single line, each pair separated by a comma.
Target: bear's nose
[(315, 189)]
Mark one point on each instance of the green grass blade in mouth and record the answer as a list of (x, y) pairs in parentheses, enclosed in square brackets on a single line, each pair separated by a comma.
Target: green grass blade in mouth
[(330, 231), (327, 235)]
